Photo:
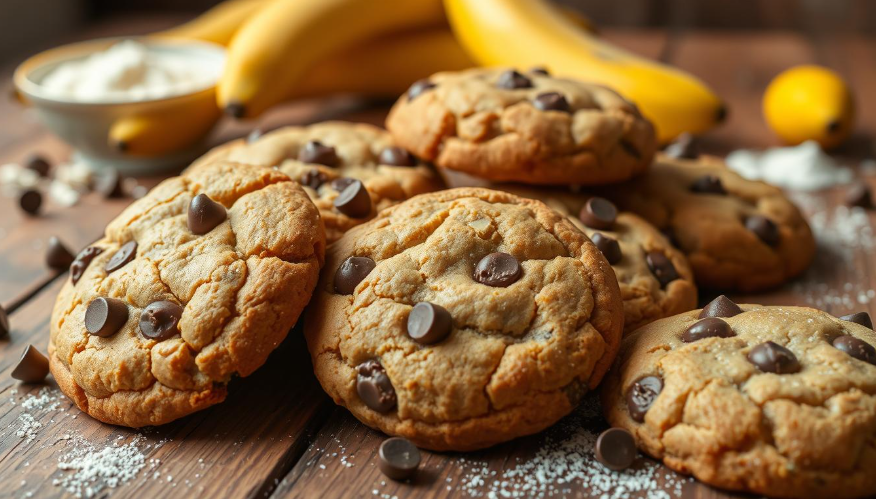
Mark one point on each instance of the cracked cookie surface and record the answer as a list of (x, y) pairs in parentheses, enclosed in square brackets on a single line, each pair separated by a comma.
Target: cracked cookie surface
[(241, 286), (526, 332), (795, 418), (502, 128)]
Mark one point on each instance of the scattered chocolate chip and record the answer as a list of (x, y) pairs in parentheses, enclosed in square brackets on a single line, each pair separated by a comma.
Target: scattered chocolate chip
[(4, 322), (236, 110), (253, 135), (313, 178), (397, 156), (720, 307), (418, 88), (856, 347), (630, 149), (105, 316), (121, 258), (354, 201), (429, 323), (598, 213), (512, 79), (540, 70), (498, 270), (315, 152), (38, 164), (351, 272), (83, 259), (374, 387), (552, 101), (341, 183), (859, 195), (205, 214), (708, 184), (609, 247), (661, 267), (111, 184), (710, 327), (764, 228), (399, 458), (616, 449), (721, 113), (862, 318), (642, 395), (32, 367), (58, 257), (30, 202), (774, 358), (160, 320), (684, 147)]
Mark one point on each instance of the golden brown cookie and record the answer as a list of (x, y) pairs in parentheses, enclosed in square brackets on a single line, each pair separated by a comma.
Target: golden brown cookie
[(463, 318), (199, 280), (534, 128), (737, 234), (779, 401)]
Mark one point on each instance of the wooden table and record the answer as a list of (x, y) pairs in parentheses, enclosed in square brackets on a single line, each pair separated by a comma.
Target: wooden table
[(277, 434)]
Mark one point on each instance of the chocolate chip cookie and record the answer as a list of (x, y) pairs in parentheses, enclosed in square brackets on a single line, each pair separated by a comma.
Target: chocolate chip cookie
[(503, 125), (463, 318), (738, 234), (197, 281), (351, 171), (779, 401)]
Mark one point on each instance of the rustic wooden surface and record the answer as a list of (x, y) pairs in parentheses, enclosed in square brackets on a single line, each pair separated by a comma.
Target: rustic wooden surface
[(277, 434)]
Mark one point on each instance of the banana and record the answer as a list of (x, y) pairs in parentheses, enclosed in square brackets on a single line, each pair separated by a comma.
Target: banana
[(218, 24), (275, 48), (165, 131), (525, 33)]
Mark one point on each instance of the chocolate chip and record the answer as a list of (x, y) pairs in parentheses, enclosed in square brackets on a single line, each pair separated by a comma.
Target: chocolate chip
[(38, 164), (859, 195), (642, 395), (110, 184), (58, 257), (351, 272), (105, 316), (205, 214), (764, 228), (598, 213), (710, 327), (499, 270), (552, 101), (399, 458), (512, 79), (236, 110), (313, 178), (616, 449), (354, 201), (862, 318), (4, 322), (341, 183), (684, 147), (418, 88), (429, 323), (609, 247), (540, 70), (315, 152), (397, 156), (32, 367), (160, 320), (774, 358), (30, 202), (374, 387), (720, 307), (83, 259), (630, 149), (708, 184), (661, 267), (856, 347), (124, 255)]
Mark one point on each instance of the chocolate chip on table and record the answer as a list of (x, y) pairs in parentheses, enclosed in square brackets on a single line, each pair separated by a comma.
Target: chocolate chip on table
[(598, 213), (684, 147), (708, 184), (105, 316), (160, 320), (315, 152), (771, 357), (399, 458), (552, 101), (710, 327), (616, 449), (83, 259), (642, 395), (512, 79), (540, 70), (30, 202), (661, 267), (354, 201), (862, 318), (609, 247), (429, 323), (205, 214), (418, 88), (111, 184), (764, 228), (121, 257), (856, 347), (374, 387), (341, 183), (39, 164), (4, 322), (499, 270), (720, 307), (32, 367), (351, 272), (397, 156), (859, 195), (58, 257), (313, 178)]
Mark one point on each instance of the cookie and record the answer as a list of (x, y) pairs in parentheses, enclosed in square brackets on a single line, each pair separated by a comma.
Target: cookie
[(655, 278), (463, 318), (778, 401), (196, 282), (502, 125), (327, 157), (738, 234)]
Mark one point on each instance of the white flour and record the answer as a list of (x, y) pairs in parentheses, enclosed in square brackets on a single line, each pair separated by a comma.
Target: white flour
[(93, 469), (802, 168)]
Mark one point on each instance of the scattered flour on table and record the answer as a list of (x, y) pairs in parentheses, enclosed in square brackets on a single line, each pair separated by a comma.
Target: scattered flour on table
[(93, 469), (34, 407), (802, 168)]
